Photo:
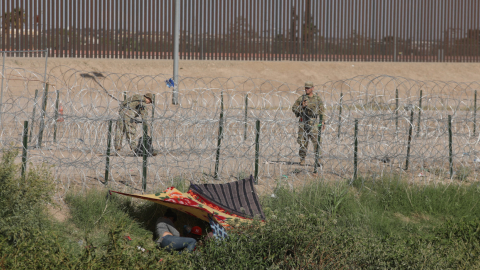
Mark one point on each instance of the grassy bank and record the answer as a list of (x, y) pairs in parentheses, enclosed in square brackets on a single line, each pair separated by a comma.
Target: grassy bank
[(381, 224)]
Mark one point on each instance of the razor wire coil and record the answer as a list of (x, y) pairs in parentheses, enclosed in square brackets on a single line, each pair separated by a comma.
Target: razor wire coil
[(186, 134)]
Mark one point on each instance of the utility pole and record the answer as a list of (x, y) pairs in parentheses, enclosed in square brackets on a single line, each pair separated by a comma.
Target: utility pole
[(176, 43)]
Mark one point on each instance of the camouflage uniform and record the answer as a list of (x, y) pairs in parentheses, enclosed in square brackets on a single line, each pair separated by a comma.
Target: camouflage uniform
[(308, 122), (131, 108)]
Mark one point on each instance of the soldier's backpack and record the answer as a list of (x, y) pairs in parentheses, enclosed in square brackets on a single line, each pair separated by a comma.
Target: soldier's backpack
[(149, 147)]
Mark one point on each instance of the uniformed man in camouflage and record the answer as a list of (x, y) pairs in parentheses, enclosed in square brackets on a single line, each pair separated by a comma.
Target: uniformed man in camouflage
[(130, 109), (307, 108)]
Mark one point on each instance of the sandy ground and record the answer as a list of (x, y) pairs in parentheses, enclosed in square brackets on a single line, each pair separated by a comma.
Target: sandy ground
[(285, 71)]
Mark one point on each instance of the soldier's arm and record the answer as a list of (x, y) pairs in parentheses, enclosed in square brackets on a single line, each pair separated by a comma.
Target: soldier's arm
[(297, 108), (143, 109)]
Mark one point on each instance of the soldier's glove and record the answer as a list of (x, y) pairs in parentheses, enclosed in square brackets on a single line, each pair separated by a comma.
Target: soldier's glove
[(133, 120)]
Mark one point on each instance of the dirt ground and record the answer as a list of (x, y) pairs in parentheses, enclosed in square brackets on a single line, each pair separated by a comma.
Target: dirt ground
[(285, 71)]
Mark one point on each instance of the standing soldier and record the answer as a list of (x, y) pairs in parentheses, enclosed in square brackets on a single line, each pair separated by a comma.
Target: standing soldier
[(307, 108), (131, 108)]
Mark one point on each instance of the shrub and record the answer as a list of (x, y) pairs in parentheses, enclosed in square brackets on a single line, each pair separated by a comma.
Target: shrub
[(23, 200)]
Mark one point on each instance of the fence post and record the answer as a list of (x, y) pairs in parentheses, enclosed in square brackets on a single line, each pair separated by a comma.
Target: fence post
[(220, 135), (319, 140), (42, 118), (124, 96), (475, 113), (419, 113), (257, 149), (145, 154), (355, 151), (33, 116), (25, 147), (450, 145), (340, 115), (56, 117), (153, 116), (396, 111), (246, 118), (109, 140), (1, 91), (409, 139)]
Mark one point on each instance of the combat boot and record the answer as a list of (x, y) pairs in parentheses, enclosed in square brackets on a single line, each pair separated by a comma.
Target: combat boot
[(302, 162)]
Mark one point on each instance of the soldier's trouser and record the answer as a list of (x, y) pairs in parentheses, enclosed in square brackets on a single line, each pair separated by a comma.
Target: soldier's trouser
[(304, 135), (125, 126)]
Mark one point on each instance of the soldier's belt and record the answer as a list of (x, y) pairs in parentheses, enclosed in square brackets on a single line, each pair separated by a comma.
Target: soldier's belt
[(133, 120)]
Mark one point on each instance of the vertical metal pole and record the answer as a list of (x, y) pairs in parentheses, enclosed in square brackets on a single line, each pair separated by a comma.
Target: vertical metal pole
[(220, 135), (124, 96), (257, 149), (396, 111), (475, 114), (153, 115), (46, 64), (319, 141), (246, 118), (109, 143), (176, 43), (450, 145), (145, 154), (419, 112), (25, 147), (355, 151), (1, 92), (42, 117), (33, 115), (56, 117), (409, 139), (340, 115)]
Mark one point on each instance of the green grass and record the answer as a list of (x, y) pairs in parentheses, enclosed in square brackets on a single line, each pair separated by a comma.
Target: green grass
[(386, 224)]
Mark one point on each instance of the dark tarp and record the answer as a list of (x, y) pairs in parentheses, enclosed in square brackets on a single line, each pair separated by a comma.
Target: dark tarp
[(237, 197)]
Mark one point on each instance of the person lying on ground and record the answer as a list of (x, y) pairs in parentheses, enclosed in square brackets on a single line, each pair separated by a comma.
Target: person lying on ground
[(169, 237)]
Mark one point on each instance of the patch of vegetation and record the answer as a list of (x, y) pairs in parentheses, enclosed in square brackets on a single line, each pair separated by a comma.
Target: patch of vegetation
[(373, 223)]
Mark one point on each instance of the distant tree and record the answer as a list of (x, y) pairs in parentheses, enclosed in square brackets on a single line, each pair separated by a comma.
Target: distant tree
[(14, 19), (242, 33)]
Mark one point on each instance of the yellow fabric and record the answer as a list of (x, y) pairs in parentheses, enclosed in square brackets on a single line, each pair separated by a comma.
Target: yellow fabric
[(184, 202)]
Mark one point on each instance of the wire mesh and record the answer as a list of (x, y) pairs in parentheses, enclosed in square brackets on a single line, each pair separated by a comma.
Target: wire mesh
[(186, 135)]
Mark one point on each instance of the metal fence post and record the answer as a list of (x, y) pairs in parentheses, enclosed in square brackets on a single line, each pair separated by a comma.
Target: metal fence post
[(33, 116), (340, 115), (257, 149), (475, 114), (409, 139), (319, 141), (56, 117), (419, 113), (450, 145), (25, 148), (246, 118), (355, 151), (42, 118), (145, 154), (109, 141), (153, 116), (220, 135), (396, 111), (1, 91)]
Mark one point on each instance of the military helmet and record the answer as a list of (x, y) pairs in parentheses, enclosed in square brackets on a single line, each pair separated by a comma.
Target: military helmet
[(149, 96), (308, 84)]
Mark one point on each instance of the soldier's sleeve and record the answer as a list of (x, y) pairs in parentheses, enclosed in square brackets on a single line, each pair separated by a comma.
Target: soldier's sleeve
[(143, 109), (296, 108)]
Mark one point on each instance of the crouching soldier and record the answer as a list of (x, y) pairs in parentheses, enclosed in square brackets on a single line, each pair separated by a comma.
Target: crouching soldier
[(130, 109)]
